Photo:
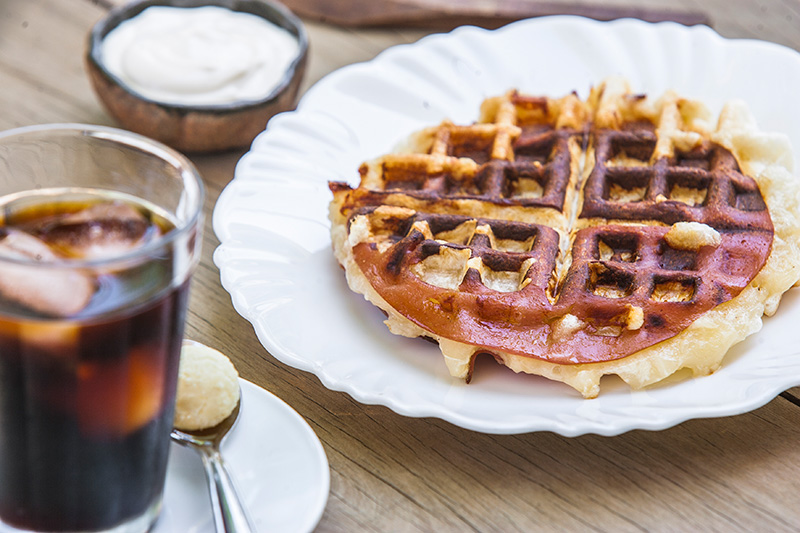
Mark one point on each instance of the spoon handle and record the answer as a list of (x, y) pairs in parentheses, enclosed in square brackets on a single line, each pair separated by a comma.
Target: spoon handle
[(229, 513)]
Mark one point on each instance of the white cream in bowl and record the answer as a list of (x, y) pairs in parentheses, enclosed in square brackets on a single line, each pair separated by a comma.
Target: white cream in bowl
[(199, 56)]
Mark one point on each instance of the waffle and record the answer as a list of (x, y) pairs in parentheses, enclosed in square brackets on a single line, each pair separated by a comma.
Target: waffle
[(573, 239)]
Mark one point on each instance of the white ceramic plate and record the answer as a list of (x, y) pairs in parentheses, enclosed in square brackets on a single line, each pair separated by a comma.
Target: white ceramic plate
[(275, 256), (278, 464)]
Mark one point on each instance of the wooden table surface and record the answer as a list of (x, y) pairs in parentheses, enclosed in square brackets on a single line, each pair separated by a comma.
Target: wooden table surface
[(394, 473)]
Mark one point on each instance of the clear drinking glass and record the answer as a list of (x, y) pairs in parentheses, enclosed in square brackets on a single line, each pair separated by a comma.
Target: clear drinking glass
[(100, 231)]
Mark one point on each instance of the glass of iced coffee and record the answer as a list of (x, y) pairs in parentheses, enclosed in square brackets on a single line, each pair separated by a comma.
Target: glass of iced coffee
[(100, 231)]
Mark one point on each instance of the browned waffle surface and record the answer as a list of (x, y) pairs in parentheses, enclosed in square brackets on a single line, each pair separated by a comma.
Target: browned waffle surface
[(521, 162), (574, 239), (493, 284), (703, 184)]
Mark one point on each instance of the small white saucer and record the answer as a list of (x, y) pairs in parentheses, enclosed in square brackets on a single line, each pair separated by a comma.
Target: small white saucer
[(278, 464)]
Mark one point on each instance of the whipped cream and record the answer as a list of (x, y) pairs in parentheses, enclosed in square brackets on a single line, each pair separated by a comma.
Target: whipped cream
[(199, 56)]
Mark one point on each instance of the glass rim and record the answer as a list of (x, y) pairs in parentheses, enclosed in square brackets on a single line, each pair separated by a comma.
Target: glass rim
[(183, 164)]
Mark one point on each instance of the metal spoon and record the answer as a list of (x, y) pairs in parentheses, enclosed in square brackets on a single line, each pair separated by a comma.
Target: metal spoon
[(229, 513)]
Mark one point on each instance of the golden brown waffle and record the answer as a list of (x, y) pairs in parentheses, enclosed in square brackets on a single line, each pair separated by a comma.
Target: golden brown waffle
[(573, 239), (520, 163)]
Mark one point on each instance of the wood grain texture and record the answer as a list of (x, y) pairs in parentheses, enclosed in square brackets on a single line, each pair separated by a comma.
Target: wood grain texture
[(394, 473)]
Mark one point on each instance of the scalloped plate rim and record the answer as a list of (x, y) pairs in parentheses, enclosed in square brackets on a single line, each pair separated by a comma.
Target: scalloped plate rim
[(362, 393)]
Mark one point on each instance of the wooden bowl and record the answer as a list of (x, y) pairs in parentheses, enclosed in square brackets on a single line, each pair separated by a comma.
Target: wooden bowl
[(196, 128)]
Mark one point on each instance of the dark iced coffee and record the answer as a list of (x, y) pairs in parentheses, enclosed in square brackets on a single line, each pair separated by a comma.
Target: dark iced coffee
[(92, 304)]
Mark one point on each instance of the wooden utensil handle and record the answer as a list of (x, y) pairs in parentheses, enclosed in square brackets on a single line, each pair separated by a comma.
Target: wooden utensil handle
[(488, 14)]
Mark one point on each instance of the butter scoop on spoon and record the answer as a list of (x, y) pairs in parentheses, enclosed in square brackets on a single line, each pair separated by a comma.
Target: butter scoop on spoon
[(207, 407)]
